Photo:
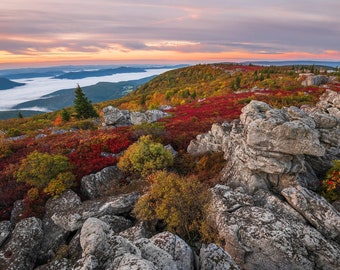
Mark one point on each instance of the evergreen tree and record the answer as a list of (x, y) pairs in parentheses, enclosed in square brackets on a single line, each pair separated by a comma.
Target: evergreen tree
[(65, 115), (83, 106), (20, 115)]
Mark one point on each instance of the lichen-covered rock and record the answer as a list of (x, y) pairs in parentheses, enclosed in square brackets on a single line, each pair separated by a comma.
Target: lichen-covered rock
[(159, 257), (141, 230), (5, 231), (94, 238), (180, 251), (17, 211), (315, 80), (211, 141), (315, 209), (20, 252), (132, 262), (276, 148), (269, 234), (95, 185), (63, 264), (212, 257), (117, 223), (289, 131), (138, 118), (115, 117), (73, 219), (54, 237)]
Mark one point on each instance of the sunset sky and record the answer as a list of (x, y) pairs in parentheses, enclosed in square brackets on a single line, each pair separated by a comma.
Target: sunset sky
[(53, 32)]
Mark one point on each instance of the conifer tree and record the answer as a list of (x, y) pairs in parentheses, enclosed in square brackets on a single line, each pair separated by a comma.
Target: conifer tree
[(82, 105)]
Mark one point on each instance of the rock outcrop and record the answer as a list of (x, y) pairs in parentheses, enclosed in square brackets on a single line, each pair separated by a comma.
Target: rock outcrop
[(21, 251), (267, 212), (72, 217), (95, 185), (315, 80), (116, 117)]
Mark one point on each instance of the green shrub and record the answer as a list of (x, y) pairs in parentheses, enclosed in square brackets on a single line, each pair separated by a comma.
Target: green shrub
[(178, 201), (145, 157), (50, 173)]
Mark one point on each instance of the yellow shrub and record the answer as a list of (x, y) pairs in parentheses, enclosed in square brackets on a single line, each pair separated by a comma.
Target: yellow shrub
[(178, 201), (145, 157)]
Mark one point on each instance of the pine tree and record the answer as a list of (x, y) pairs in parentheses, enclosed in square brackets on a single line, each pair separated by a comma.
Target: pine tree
[(65, 115), (83, 106)]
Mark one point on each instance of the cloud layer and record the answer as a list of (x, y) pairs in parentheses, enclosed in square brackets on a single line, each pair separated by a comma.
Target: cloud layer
[(178, 30)]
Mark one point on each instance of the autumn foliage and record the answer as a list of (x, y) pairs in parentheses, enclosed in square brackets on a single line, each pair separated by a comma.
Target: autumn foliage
[(145, 157), (178, 201), (331, 184)]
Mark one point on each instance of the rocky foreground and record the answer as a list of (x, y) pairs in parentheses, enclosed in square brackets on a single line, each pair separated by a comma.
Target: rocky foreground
[(265, 208)]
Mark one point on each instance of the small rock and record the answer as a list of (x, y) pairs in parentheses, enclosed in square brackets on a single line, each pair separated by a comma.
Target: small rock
[(213, 257)]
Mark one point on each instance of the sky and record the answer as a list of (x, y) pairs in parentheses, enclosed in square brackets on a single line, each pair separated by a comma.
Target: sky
[(58, 32)]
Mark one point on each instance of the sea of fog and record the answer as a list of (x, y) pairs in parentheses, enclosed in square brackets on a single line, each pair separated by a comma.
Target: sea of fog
[(35, 88)]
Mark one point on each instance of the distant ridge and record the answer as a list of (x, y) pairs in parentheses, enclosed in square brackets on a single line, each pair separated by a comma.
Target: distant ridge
[(294, 62), (98, 73), (6, 84)]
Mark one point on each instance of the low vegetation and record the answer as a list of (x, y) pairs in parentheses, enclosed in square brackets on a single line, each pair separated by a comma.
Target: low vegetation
[(144, 157), (202, 95)]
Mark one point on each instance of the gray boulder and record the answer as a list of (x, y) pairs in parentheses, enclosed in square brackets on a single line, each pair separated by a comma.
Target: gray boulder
[(156, 255), (115, 117), (276, 148), (315, 209), (95, 185), (315, 80), (63, 264), (180, 251), (269, 235), (72, 219), (141, 230), (213, 257), (17, 211), (138, 118), (21, 251), (289, 130), (5, 231)]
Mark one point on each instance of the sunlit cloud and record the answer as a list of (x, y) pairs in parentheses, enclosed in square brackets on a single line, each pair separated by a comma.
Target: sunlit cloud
[(55, 31)]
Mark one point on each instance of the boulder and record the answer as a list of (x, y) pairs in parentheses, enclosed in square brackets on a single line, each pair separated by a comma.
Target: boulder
[(17, 211), (180, 251), (171, 150), (95, 185), (53, 237), (141, 230), (159, 257), (116, 117), (72, 219), (315, 209), (21, 250), (289, 130), (5, 231), (315, 80), (273, 149), (138, 118), (155, 115), (63, 264), (263, 235), (214, 257)]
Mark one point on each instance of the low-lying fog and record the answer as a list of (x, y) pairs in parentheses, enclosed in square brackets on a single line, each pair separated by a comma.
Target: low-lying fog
[(35, 88)]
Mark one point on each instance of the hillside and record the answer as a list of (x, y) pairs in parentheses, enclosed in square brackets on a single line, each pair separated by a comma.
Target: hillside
[(248, 153), (8, 84), (96, 93)]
